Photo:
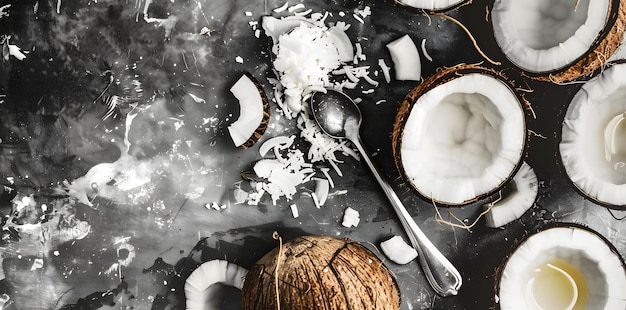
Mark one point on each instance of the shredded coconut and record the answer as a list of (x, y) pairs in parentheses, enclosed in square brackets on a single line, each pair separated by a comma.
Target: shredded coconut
[(287, 166)]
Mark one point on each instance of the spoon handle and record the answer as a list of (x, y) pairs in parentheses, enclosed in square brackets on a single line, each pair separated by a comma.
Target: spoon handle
[(441, 274)]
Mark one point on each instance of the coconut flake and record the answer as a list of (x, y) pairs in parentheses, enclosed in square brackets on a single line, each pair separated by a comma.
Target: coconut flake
[(279, 142), (424, 50), (386, 70), (296, 7), (282, 8)]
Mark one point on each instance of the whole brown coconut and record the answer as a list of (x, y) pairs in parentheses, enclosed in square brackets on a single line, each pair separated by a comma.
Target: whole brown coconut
[(320, 272)]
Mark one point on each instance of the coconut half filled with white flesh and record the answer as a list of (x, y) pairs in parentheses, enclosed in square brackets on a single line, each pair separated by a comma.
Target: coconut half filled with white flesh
[(433, 6), (459, 136), (593, 138), (559, 40), (563, 266)]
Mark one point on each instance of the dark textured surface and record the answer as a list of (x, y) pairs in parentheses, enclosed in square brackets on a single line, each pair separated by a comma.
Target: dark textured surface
[(51, 128)]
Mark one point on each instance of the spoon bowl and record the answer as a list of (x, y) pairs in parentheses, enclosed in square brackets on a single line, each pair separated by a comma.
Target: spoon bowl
[(336, 114), (339, 117)]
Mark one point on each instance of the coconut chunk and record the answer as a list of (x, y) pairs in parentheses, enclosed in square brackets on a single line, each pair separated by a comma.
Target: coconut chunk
[(516, 202), (342, 43), (351, 218), (398, 251), (253, 112), (406, 59), (294, 210)]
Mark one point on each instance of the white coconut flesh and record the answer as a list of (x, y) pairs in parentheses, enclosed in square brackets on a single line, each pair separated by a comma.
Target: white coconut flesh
[(542, 36), (563, 268), (250, 110), (203, 284), (430, 4), (463, 139), (514, 204), (593, 138)]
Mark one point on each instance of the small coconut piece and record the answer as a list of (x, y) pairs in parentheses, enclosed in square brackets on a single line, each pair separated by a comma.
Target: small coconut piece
[(592, 147), (459, 136), (202, 285), (275, 27), (432, 6), (406, 59), (320, 272), (294, 210), (562, 266), (322, 187), (398, 251), (560, 40), (254, 112), (342, 43), (351, 218), (524, 190)]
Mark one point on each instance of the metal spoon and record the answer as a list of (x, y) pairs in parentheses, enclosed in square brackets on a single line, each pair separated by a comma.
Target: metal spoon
[(339, 117)]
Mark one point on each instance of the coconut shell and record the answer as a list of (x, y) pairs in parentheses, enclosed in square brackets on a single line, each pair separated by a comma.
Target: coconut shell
[(319, 272), (605, 45), (439, 78), (260, 130)]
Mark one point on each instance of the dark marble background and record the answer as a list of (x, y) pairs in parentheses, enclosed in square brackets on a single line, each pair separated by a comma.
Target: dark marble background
[(135, 225)]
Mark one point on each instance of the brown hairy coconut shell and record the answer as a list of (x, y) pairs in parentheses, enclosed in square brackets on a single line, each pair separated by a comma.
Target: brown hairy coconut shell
[(411, 100), (605, 44), (320, 272)]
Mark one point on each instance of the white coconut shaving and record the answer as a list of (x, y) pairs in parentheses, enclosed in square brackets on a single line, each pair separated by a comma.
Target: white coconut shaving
[(300, 71)]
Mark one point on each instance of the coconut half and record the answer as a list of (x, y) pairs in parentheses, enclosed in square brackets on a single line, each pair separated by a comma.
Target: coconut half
[(564, 266), (459, 136), (433, 6), (524, 190), (593, 138), (559, 40), (203, 286)]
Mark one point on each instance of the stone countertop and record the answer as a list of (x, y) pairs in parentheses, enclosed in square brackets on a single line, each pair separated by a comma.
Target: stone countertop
[(113, 141)]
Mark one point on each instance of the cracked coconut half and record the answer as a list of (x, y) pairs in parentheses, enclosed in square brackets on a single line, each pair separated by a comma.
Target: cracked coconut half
[(593, 138), (559, 40), (562, 266), (460, 135)]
